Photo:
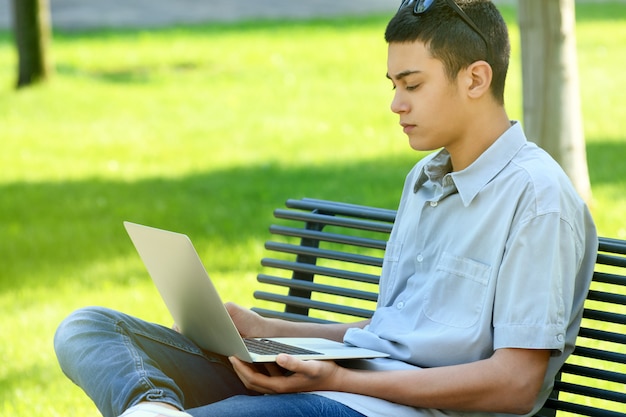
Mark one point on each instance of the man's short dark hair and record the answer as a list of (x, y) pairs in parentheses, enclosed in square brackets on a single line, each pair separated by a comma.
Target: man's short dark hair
[(452, 41)]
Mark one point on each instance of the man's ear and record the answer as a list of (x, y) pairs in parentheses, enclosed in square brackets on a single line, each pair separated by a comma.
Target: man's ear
[(478, 78)]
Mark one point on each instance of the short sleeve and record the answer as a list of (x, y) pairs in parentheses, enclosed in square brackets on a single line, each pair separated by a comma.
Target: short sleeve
[(535, 288)]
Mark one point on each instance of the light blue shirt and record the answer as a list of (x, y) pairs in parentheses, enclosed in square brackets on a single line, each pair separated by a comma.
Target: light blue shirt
[(499, 255)]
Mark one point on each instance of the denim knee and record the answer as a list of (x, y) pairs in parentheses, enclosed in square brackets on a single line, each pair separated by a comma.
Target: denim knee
[(74, 330), (96, 350)]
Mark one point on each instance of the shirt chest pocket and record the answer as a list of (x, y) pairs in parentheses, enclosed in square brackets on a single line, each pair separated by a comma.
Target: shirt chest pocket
[(456, 293)]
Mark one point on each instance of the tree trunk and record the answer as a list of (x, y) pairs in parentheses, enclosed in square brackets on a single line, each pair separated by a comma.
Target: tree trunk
[(31, 20), (551, 94)]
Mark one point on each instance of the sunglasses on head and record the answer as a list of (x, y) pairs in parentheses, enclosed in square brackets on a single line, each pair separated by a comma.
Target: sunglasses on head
[(422, 6)]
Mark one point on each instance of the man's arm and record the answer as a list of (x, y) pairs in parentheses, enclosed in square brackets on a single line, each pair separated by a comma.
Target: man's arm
[(251, 324), (508, 382)]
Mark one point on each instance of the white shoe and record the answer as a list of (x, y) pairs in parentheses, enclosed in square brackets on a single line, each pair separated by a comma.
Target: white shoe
[(152, 410)]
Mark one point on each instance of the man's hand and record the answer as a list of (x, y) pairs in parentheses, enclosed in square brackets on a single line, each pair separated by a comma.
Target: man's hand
[(289, 375), (249, 323)]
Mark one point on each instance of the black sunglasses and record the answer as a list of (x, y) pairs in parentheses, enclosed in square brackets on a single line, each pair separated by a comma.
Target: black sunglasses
[(422, 6)]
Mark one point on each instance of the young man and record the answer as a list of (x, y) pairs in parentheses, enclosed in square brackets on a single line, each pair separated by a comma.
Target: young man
[(483, 282)]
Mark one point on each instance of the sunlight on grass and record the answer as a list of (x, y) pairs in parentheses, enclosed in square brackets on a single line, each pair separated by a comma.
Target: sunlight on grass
[(227, 99), (205, 130)]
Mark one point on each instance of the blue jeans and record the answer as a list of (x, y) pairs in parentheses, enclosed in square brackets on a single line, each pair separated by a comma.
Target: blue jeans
[(119, 360)]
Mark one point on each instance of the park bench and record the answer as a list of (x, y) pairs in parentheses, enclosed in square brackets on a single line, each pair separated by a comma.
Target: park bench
[(325, 263)]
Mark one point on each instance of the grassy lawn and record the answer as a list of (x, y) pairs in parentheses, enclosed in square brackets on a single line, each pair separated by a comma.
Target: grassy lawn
[(205, 130)]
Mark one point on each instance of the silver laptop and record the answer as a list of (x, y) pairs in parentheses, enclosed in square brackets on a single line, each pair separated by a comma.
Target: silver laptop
[(198, 311)]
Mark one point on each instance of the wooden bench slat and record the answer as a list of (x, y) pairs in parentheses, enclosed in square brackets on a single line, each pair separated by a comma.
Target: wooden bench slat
[(601, 374), (607, 278), (590, 391), (583, 410), (324, 219), (604, 316), (320, 288), (604, 355), (314, 304), (611, 260), (606, 297), (334, 207), (320, 270), (607, 244), (602, 335), (329, 237), (288, 316), (324, 253)]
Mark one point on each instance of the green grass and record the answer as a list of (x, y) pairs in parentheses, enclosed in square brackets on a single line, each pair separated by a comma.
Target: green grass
[(205, 130)]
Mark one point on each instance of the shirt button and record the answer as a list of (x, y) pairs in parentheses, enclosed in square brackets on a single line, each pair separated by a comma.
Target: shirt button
[(559, 337), (433, 204), (400, 305), (420, 258)]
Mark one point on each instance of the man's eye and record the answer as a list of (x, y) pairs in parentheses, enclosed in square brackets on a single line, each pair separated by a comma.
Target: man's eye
[(412, 87)]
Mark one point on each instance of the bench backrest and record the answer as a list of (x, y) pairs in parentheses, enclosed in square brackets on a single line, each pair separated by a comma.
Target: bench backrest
[(326, 262), (597, 367), (327, 259)]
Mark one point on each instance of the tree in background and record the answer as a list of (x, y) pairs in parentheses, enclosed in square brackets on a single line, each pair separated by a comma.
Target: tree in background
[(31, 23), (551, 92)]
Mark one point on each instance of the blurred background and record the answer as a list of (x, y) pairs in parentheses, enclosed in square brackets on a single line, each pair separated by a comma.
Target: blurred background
[(202, 117), (81, 14)]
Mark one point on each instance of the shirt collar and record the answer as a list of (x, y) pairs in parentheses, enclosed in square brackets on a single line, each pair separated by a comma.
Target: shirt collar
[(472, 179)]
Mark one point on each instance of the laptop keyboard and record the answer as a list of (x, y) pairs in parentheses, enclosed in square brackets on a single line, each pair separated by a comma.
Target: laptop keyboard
[(272, 347)]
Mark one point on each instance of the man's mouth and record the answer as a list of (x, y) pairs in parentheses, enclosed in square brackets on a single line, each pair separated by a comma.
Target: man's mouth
[(407, 127)]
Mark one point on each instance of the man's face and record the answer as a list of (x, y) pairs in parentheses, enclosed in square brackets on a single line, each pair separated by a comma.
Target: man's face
[(428, 103)]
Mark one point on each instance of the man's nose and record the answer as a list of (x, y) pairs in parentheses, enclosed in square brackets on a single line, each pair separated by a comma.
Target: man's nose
[(398, 105)]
